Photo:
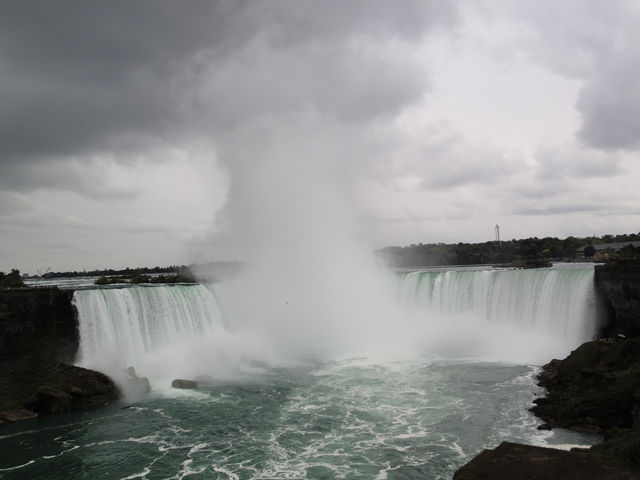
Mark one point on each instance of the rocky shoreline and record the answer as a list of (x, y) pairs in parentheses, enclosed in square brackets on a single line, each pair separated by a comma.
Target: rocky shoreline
[(526, 462), (31, 387), (595, 389)]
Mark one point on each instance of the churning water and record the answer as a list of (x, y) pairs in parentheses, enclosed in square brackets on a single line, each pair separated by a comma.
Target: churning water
[(460, 378)]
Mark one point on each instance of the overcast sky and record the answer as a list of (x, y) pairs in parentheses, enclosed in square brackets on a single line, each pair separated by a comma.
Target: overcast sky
[(161, 132)]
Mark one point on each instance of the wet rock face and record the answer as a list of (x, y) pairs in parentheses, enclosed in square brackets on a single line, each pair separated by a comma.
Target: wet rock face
[(42, 387), (38, 322), (618, 283), (596, 387), (39, 331), (526, 462)]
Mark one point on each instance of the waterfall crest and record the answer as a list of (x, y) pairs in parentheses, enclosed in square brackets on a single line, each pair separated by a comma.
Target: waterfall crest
[(515, 316), (557, 301), (124, 324)]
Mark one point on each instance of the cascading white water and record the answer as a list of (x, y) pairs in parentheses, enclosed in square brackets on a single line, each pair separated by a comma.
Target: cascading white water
[(558, 302), (517, 316), (121, 327)]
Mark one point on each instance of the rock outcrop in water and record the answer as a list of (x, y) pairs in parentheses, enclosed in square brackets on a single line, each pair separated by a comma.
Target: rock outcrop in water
[(184, 384), (38, 333)]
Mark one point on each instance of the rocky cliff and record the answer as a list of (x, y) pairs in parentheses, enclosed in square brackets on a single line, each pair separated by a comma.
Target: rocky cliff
[(526, 462), (38, 322), (38, 339), (618, 284), (595, 389)]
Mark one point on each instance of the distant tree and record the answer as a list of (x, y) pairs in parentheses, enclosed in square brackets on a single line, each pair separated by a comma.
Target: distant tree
[(11, 280), (589, 251), (141, 278)]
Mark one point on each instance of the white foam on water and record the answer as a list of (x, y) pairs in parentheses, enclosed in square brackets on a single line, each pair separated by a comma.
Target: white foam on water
[(166, 332)]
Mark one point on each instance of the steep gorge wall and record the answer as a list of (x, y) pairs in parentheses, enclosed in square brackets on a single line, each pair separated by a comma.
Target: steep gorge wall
[(38, 322), (618, 284)]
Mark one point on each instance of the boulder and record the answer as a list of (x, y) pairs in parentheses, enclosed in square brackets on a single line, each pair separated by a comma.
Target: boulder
[(140, 386), (52, 400), (526, 462), (46, 387), (10, 416), (184, 384)]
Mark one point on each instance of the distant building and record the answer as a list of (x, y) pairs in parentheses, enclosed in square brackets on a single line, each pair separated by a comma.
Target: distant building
[(601, 248)]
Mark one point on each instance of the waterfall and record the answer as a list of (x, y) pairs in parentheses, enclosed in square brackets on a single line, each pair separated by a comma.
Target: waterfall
[(516, 316), (558, 301), (125, 326)]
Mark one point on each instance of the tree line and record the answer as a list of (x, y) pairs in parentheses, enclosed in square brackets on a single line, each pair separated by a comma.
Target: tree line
[(126, 272), (523, 252), (11, 280)]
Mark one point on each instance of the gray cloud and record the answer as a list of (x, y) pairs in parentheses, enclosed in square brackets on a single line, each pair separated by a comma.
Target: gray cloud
[(559, 209), (87, 76), (441, 156), (558, 163), (588, 41), (610, 101), (296, 99), (120, 80)]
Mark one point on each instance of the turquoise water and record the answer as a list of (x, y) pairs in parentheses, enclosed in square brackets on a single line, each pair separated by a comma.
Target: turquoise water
[(405, 378), (353, 419)]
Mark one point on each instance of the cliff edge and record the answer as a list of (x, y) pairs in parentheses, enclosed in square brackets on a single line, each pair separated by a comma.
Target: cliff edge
[(618, 283), (38, 340), (38, 322)]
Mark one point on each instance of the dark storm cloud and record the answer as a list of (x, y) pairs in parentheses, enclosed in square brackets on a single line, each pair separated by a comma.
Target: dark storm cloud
[(78, 74), (91, 76)]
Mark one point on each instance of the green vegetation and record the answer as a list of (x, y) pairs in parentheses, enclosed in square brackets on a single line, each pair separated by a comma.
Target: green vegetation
[(11, 280), (524, 253), (184, 277), (126, 273)]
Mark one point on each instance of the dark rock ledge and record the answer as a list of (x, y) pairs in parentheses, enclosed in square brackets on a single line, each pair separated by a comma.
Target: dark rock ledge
[(38, 340), (595, 389), (526, 462), (31, 387)]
